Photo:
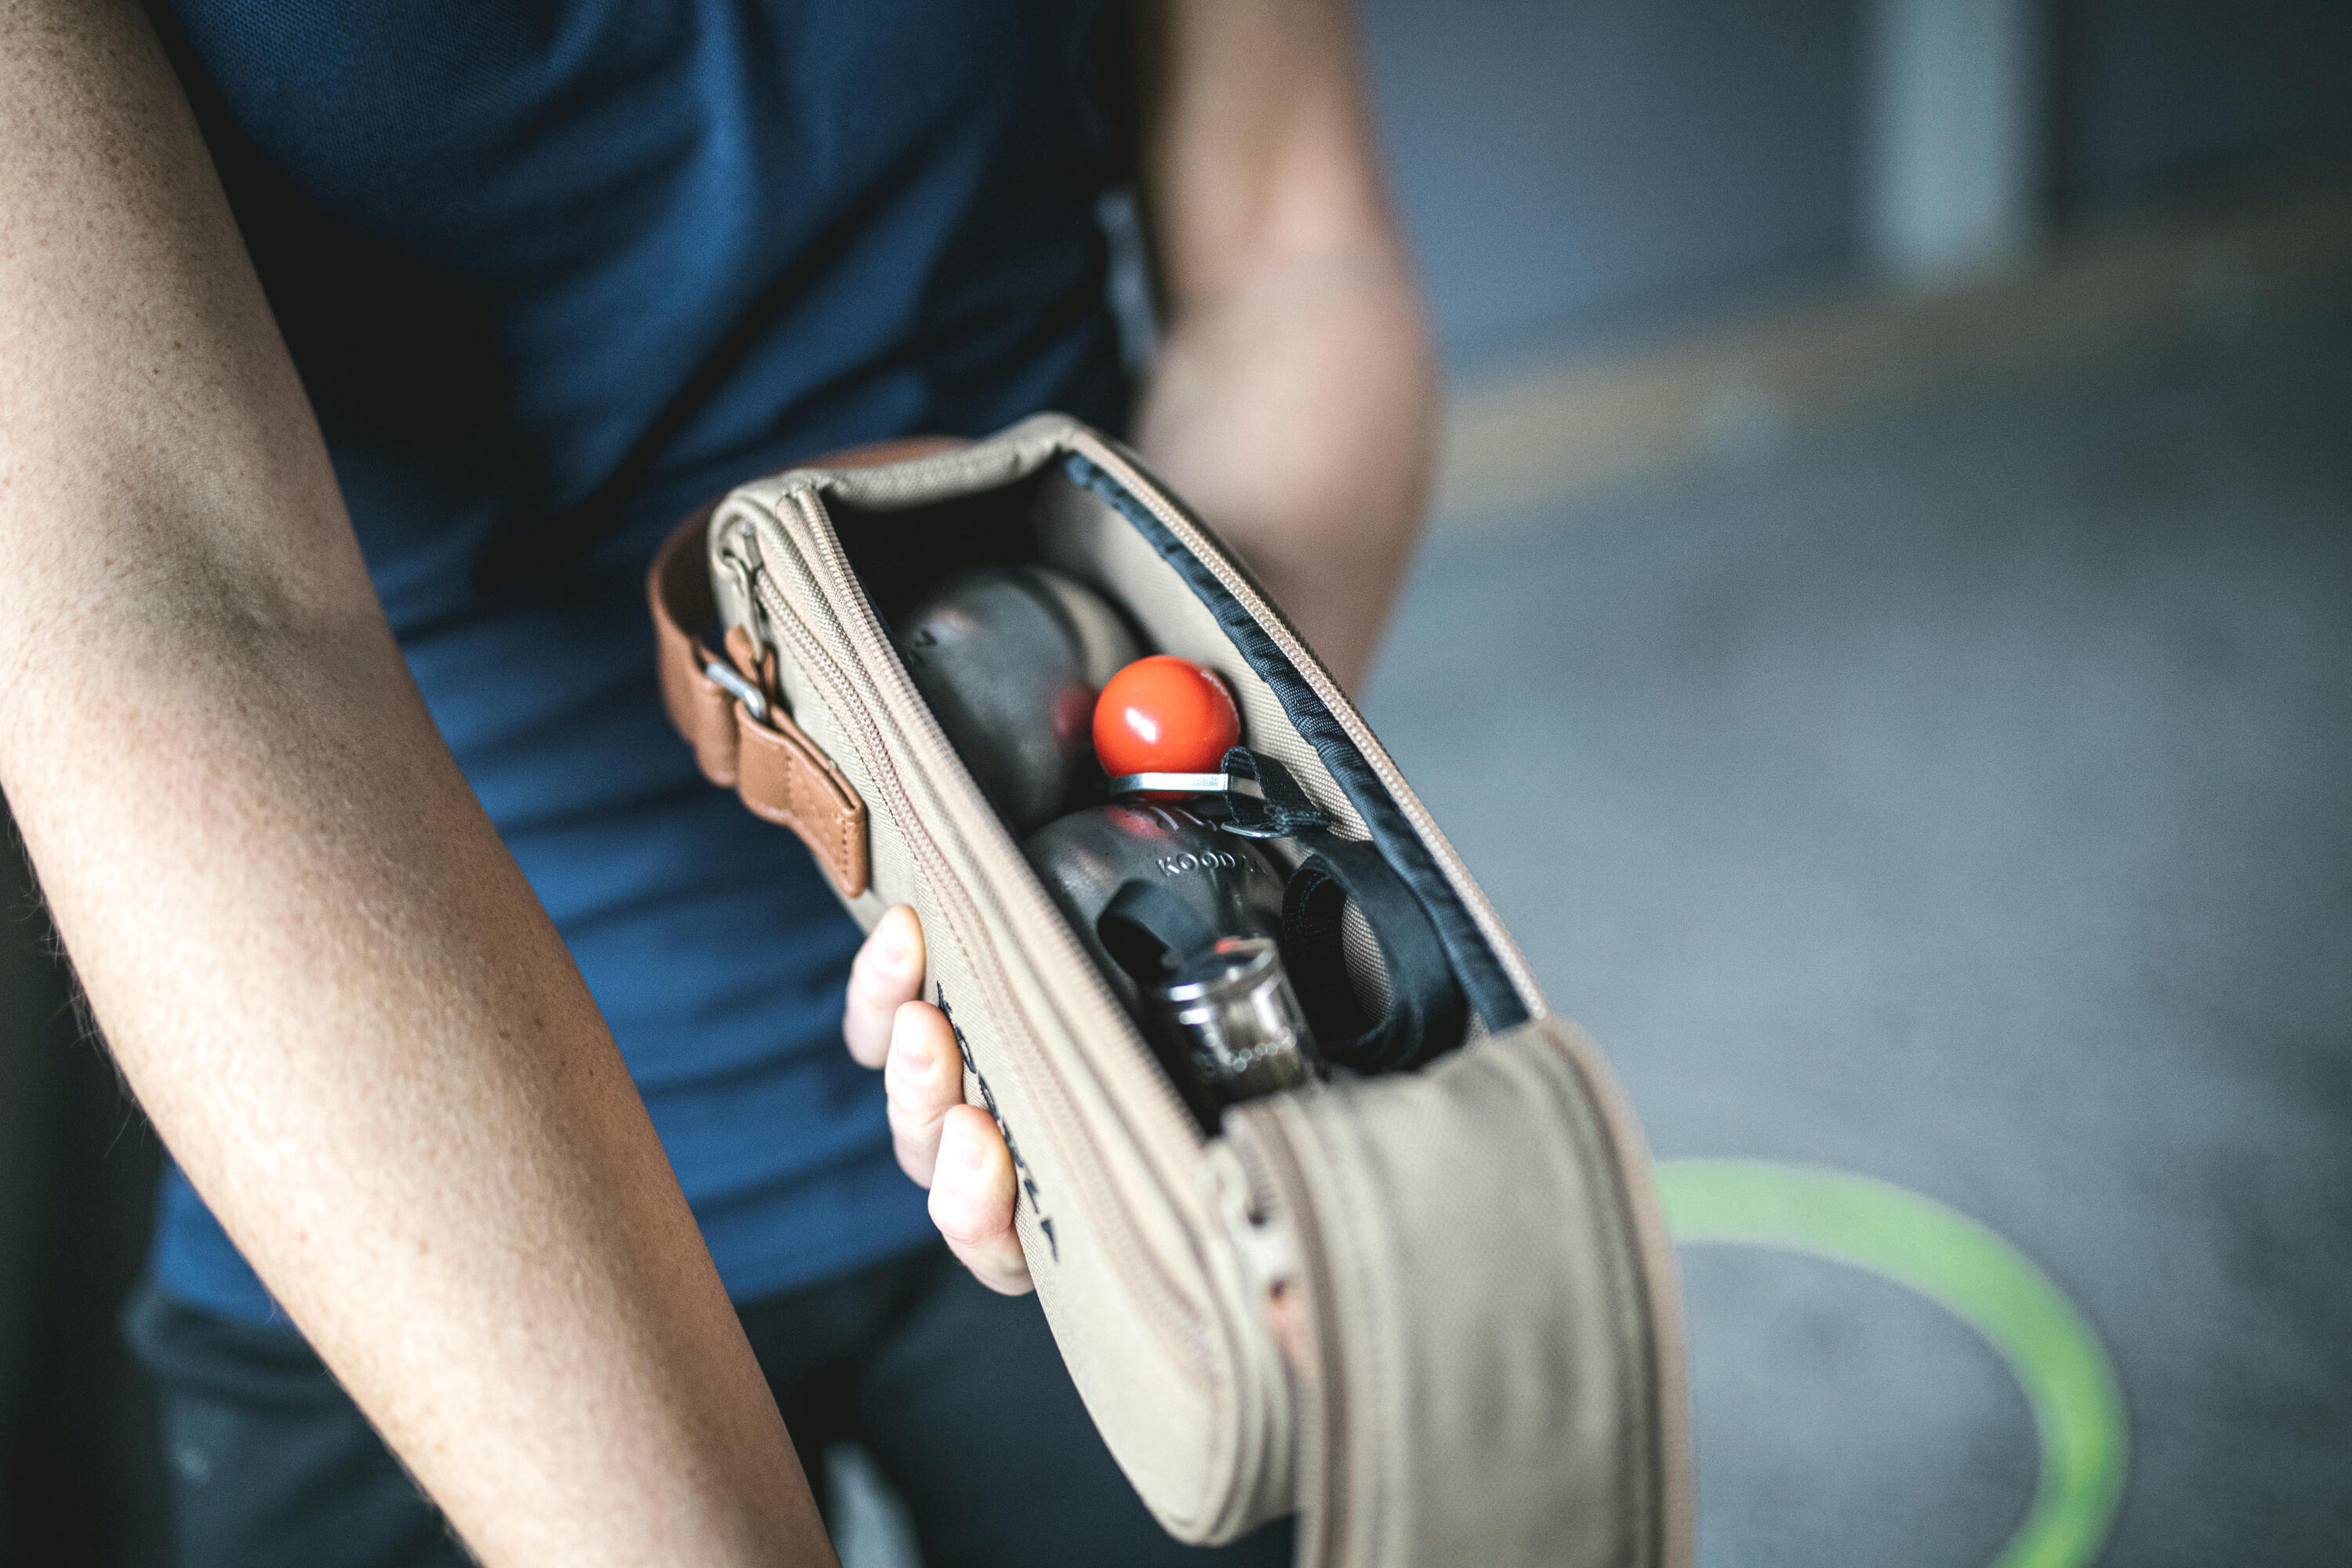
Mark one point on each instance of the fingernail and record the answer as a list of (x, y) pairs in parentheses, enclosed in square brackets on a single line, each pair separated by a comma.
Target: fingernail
[(913, 1055), (971, 1154), (898, 948)]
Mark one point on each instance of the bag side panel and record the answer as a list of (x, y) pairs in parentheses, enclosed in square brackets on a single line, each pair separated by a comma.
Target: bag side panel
[(1502, 1343)]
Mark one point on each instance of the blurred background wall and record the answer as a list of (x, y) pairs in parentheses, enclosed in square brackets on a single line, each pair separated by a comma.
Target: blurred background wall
[(1782, 339), (1597, 175)]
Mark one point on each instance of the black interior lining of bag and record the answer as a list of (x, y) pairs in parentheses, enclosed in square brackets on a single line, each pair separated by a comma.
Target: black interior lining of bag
[(901, 556), (1476, 967)]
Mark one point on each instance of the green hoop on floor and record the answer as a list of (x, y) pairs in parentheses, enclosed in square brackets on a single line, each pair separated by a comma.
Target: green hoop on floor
[(2078, 1410)]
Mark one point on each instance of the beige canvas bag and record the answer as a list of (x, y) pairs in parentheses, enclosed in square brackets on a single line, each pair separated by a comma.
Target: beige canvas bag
[(1479, 1357)]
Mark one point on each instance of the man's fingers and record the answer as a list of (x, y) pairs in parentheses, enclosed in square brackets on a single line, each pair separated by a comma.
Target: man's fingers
[(889, 973), (952, 1148), (972, 1195), (923, 1080)]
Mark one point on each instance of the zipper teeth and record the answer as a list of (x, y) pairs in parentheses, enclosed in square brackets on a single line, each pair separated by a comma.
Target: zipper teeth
[(1335, 701), (1165, 1306)]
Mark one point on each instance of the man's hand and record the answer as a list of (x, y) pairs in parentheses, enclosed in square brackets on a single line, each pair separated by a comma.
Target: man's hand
[(950, 1147)]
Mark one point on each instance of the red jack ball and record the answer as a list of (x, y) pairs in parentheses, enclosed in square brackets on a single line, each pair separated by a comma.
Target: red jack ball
[(1165, 715)]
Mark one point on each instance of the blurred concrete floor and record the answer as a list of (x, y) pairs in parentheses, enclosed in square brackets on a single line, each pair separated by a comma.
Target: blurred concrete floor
[(1962, 795)]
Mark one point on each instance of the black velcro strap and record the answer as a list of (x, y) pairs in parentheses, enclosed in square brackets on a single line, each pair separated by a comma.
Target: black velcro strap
[(1425, 1012)]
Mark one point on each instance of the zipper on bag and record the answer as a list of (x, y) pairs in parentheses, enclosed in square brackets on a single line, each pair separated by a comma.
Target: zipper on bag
[(1165, 1306)]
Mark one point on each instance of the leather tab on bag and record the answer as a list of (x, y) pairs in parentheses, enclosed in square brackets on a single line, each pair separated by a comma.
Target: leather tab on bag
[(783, 777), (678, 590), (891, 450)]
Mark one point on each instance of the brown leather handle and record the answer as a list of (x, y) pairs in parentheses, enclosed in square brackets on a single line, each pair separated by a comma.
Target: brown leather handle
[(781, 775)]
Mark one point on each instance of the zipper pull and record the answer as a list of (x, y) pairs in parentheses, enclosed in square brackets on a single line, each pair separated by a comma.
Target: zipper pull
[(739, 605)]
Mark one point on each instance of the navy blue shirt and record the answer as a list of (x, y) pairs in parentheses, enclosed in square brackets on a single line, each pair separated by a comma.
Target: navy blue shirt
[(554, 273)]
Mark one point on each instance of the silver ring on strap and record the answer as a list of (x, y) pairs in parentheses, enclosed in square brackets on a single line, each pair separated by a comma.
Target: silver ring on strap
[(1184, 783)]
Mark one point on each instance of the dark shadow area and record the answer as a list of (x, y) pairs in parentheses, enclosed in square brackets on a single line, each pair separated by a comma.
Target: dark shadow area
[(82, 1478)]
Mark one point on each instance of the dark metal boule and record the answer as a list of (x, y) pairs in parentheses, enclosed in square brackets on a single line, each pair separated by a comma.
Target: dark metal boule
[(1161, 900), (1010, 659)]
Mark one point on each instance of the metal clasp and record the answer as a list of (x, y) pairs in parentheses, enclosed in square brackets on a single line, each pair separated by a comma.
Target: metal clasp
[(724, 677)]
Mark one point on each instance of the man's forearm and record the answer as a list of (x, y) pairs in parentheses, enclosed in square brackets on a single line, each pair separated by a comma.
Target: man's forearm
[(1297, 411), (331, 989), (1295, 402), (318, 966)]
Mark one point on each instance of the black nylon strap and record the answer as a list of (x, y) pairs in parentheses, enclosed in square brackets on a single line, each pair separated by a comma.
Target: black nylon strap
[(1425, 1007), (1150, 932), (1280, 809)]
